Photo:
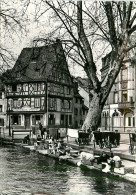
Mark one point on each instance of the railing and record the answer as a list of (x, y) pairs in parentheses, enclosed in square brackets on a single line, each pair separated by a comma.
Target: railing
[(123, 105), (17, 93)]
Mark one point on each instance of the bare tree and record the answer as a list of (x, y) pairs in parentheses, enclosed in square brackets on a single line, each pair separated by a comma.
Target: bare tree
[(12, 26), (84, 25)]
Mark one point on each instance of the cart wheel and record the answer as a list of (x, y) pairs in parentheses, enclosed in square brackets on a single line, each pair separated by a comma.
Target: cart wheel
[(115, 143), (131, 149)]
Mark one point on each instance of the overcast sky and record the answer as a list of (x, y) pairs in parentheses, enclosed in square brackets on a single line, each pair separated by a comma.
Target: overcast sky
[(33, 30)]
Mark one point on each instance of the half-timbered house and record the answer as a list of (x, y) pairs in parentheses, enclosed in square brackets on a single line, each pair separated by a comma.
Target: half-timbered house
[(39, 88)]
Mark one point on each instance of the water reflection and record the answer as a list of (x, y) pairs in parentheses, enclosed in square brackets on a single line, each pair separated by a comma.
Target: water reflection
[(24, 172)]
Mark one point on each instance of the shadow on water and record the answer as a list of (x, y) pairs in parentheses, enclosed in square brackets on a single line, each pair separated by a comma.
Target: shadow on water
[(108, 184)]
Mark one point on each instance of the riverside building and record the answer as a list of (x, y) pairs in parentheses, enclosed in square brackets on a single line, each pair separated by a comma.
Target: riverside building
[(119, 112), (39, 88)]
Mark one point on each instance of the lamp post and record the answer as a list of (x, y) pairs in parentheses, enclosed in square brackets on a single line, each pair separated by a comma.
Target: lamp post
[(9, 120)]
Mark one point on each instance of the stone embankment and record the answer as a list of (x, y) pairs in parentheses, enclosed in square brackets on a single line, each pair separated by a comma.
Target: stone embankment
[(127, 171)]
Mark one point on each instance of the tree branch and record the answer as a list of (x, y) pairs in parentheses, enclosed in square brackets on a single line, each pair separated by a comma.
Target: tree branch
[(90, 67), (120, 14), (128, 15), (132, 20), (111, 23), (133, 29)]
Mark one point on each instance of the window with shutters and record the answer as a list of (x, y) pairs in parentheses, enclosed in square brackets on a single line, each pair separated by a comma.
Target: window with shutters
[(14, 87), (43, 87), (26, 102), (67, 90), (42, 103), (37, 102), (129, 121), (15, 103), (32, 102), (39, 86), (37, 119), (1, 122), (133, 121), (19, 103), (124, 96), (16, 119), (70, 119), (10, 103), (19, 87), (51, 119), (25, 87), (62, 119), (37, 72), (52, 103), (0, 108), (62, 89), (33, 120), (67, 104)]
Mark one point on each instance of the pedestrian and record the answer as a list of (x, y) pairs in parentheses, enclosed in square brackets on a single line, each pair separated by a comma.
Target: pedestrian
[(39, 139), (26, 139), (41, 129)]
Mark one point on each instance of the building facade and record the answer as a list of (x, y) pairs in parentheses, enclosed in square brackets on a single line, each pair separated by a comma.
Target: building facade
[(3, 106), (40, 88), (119, 111)]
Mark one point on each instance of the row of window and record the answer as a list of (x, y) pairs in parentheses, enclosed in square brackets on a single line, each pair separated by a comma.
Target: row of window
[(129, 121), (53, 103), (31, 102), (31, 87), (65, 120), (124, 97), (57, 104), (59, 89)]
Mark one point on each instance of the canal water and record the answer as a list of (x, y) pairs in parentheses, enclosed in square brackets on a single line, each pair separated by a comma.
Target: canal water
[(23, 173)]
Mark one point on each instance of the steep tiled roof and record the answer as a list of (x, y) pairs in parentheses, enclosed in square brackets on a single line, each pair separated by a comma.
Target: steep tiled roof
[(36, 63)]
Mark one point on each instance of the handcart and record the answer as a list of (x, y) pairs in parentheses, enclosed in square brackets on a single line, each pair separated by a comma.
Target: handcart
[(132, 147)]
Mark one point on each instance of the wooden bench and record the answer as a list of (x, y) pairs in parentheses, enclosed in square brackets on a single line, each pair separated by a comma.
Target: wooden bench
[(18, 135)]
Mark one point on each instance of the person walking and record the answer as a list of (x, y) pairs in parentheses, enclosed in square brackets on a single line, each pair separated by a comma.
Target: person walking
[(41, 129)]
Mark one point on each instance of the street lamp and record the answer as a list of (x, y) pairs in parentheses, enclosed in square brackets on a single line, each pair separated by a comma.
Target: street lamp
[(9, 119)]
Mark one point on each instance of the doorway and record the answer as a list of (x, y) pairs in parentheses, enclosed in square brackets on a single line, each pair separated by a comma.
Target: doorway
[(27, 121)]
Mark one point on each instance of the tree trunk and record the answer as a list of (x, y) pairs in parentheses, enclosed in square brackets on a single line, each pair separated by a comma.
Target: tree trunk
[(93, 117)]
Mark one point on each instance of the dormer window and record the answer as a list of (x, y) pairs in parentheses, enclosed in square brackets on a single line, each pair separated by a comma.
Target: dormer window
[(14, 87), (18, 75), (37, 71)]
